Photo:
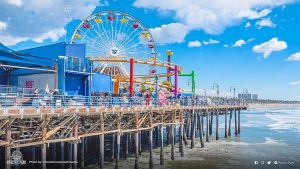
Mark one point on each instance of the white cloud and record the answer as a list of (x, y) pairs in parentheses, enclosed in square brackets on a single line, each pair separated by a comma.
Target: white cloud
[(171, 33), (294, 57), (3, 26), (225, 45), (40, 20), (17, 3), (195, 43), (212, 16), (248, 24), (54, 35), (251, 39), (295, 83), (239, 43), (265, 22), (210, 42), (268, 47)]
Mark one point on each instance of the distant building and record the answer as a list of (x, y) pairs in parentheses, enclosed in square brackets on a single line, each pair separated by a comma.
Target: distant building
[(247, 96), (254, 97)]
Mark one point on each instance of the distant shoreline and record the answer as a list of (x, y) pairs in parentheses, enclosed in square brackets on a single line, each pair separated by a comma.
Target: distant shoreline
[(253, 106)]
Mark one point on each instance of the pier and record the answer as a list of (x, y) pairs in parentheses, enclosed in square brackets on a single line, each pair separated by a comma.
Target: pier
[(70, 125)]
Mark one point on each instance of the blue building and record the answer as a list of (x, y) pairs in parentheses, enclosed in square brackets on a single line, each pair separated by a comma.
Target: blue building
[(59, 66)]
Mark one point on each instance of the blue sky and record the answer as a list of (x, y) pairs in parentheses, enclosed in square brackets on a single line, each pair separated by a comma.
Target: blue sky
[(249, 44)]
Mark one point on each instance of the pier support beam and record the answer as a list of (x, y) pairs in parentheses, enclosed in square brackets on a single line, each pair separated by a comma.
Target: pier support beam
[(8, 140), (172, 142), (101, 141), (136, 135), (126, 145), (225, 113), (118, 150), (161, 145), (217, 125), (235, 123), (239, 122), (207, 126), (62, 154), (82, 153), (211, 122), (193, 129), (181, 135), (200, 124), (230, 118), (150, 142), (44, 150)]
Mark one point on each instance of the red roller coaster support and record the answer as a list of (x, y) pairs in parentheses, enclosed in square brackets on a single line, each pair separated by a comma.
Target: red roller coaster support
[(131, 77)]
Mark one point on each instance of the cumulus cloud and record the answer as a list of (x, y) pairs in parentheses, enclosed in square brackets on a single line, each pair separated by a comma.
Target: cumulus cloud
[(15, 2), (270, 46), (295, 83), (225, 45), (212, 16), (195, 43), (248, 24), (40, 20), (239, 43), (251, 39), (3, 26), (210, 42), (294, 57), (265, 22), (170, 33)]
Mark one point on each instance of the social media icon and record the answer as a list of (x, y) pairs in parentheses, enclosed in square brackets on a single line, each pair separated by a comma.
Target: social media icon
[(262, 162), (256, 162), (275, 162), (269, 162)]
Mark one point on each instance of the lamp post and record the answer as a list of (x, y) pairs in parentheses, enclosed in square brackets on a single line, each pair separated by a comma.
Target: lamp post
[(232, 88)]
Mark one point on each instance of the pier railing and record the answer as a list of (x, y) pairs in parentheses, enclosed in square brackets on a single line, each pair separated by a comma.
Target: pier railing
[(58, 101)]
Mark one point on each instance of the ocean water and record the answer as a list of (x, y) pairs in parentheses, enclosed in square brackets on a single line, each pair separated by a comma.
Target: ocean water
[(270, 138)]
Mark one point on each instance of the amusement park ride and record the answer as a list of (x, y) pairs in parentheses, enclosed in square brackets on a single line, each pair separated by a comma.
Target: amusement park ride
[(119, 45)]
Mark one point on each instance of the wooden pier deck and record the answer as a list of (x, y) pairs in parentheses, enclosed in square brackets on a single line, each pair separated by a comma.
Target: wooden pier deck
[(28, 126)]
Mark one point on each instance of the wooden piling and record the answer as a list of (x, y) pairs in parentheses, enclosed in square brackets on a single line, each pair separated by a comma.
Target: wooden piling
[(70, 154), (235, 123), (44, 159), (192, 129), (161, 145), (229, 128), (126, 145), (172, 142), (239, 121), (211, 123), (201, 128), (101, 141), (118, 150), (33, 157), (113, 146), (150, 142), (140, 142), (181, 135), (136, 135), (44, 147), (62, 154), (8, 140), (217, 125), (82, 153), (225, 114), (207, 126), (118, 134)]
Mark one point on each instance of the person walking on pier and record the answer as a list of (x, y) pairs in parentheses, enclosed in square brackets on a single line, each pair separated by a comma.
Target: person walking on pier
[(147, 98)]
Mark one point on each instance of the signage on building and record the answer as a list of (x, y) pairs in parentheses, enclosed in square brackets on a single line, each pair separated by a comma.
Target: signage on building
[(29, 83)]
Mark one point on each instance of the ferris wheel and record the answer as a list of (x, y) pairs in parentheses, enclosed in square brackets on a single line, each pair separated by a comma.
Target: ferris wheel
[(111, 39)]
